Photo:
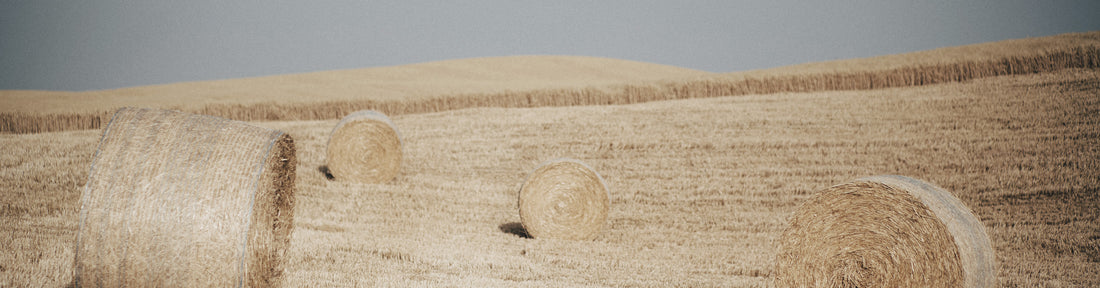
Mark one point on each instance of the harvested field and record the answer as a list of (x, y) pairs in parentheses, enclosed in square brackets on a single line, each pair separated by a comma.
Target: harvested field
[(523, 81), (413, 88), (700, 188)]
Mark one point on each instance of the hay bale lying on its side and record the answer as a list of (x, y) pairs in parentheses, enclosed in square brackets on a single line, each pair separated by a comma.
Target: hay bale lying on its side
[(564, 199), (884, 231), (364, 147), (176, 199)]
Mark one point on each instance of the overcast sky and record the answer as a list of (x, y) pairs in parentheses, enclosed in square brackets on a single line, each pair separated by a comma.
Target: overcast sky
[(88, 45)]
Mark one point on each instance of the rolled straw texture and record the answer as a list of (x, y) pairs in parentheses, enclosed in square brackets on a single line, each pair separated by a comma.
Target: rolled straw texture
[(563, 199), (183, 200), (365, 147), (885, 231)]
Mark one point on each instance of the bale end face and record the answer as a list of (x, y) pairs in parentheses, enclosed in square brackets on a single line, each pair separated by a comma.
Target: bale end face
[(273, 216), (876, 233), (564, 199), (365, 147)]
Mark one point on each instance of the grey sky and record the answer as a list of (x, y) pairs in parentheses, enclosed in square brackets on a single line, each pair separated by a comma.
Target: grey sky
[(87, 45)]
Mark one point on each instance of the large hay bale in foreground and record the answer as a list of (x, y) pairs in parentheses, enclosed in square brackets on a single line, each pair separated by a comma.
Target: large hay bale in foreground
[(564, 199), (884, 231), (364, 147), (176, 199)]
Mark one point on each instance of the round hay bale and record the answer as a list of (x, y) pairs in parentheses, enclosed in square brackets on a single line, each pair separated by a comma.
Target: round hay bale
[(176, 199), (884, 231), (563, 199), (365, 147)]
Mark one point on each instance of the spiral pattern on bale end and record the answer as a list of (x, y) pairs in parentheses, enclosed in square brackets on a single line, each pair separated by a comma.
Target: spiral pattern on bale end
[(563, 199), (884, 231), (365, 147)]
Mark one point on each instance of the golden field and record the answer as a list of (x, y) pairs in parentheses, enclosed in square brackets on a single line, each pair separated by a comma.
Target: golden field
[(700, 188), (532, 81)]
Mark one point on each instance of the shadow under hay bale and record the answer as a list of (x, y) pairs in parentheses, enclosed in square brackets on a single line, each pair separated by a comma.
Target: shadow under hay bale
[(514, 228), (884, 231), (563, 199), (364, 147), (324, 171), (176, 199)]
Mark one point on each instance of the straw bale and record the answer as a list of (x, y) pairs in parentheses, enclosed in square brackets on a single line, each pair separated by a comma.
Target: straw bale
[(563, 199), (884, 231), (365, 147), (176, 199)]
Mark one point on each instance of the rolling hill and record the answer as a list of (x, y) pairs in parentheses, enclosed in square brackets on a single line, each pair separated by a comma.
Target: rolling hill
[(532, 81)]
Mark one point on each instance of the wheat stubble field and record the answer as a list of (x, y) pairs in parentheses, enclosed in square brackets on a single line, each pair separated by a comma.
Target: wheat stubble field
[(700, 188)]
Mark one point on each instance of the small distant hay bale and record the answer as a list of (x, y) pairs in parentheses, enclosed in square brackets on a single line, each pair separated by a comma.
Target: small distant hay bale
[(884, 231), (365, 147), (183, 200), (563, 199)]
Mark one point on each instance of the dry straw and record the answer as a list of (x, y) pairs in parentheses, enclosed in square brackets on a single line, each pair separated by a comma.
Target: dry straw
[(563, 199), (884, 231), (365, 147), (176, 199)]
